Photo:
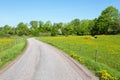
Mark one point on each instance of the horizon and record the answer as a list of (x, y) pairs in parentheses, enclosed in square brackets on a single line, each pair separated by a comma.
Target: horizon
[(16, 11)]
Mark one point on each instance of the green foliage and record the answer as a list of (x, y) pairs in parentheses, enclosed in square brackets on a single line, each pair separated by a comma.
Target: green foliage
[(107, 22), (85, 27), (75, 24), (94, 28), (34, 28), (22, 29), (6, 29), (41, 26), (34, 24), (67, 30), (47, 26), (54, 31)]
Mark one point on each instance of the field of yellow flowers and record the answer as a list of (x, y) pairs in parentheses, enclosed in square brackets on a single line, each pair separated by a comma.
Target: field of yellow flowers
[(104, 50), (6, 43), (10, 48)]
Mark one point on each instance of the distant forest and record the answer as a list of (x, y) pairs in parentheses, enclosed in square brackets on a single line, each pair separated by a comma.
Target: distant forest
[(107, 23)]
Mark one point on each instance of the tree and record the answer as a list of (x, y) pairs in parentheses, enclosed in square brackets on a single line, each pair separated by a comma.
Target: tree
[(91, 25), (54, 30), (47, 26), (67, 29), (7, 29), (94, 29), (107, 20), (34, 28), (114, 27), (41, 24), (59, 27), (12, 31), (2, 33), (85, 27), (22, 29), (34, 24), (119, 24), (75, 24)]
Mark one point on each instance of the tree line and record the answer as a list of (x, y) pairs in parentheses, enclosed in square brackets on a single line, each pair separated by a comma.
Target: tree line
[(107, 23)]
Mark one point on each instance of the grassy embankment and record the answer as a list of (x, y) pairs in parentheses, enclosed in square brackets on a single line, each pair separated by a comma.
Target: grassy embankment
[(10, 48), (101, 55)]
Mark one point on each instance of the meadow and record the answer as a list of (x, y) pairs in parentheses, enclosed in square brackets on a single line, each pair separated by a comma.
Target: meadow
[(6, 43), (10, 48), (101, 54)]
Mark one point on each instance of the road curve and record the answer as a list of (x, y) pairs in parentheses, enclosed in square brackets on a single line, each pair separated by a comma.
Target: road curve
[(41, 61)]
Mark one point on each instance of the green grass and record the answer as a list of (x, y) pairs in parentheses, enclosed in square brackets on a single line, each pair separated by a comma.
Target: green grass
[(12, 53), (108, 47)]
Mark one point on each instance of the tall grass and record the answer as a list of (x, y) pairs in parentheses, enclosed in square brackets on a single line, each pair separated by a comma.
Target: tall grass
[(13, 52)]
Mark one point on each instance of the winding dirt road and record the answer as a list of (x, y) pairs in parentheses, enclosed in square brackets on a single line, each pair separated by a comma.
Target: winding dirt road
[(41, 61)]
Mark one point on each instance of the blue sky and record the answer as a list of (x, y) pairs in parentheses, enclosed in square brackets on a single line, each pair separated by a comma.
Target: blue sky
[(14, 11)]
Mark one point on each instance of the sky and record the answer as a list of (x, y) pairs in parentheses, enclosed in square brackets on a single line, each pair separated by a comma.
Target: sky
[(13, 12)]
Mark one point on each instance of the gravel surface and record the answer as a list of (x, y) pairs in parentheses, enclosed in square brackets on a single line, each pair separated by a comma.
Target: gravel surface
[(41, 61)]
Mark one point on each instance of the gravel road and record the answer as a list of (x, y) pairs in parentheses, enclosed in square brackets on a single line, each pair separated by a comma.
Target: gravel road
[(41, 61)]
